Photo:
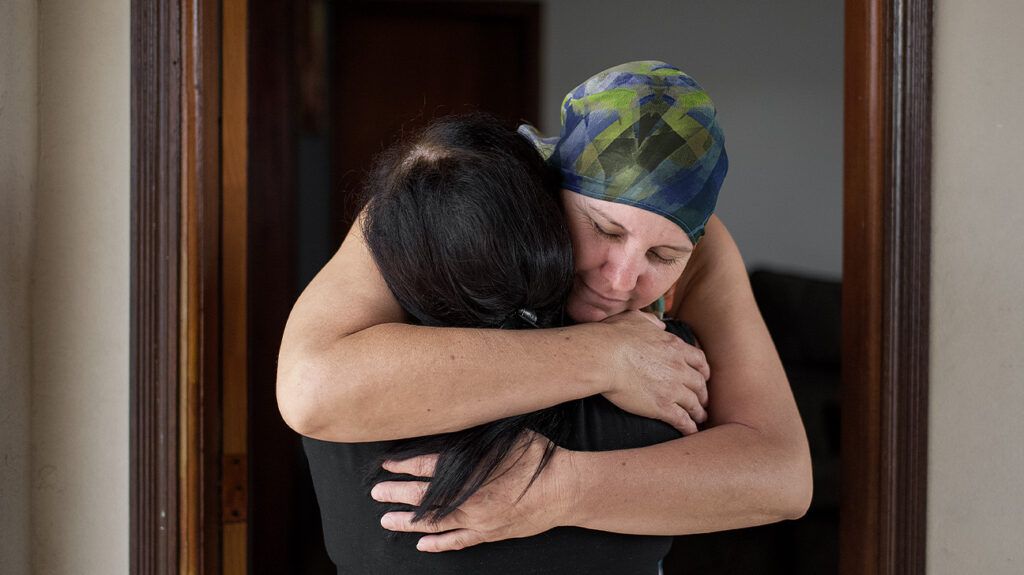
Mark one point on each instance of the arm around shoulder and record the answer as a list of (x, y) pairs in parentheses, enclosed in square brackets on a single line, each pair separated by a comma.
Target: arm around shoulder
[(749, 386), (345, 298), (750, 466), (349, 369)]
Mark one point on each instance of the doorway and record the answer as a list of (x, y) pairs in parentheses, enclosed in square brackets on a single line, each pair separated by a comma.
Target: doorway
[(884, 317), (362, 74)]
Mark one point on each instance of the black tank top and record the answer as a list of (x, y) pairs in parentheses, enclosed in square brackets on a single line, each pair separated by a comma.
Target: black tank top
[(357, 543)]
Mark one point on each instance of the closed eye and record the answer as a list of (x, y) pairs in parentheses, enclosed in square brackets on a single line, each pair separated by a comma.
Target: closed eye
[(601, 232), (662, 260)]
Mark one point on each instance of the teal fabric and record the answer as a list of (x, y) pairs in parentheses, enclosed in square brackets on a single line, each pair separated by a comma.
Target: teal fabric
[(643, 134)]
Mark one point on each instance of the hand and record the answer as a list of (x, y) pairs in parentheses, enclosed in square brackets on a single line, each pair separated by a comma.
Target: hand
[(493, 513), (659, 375)]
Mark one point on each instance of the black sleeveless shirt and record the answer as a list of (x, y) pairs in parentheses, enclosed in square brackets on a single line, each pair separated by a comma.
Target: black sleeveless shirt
[(357, 543)]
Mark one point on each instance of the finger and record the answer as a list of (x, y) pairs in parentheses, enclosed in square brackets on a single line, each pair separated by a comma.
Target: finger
[(702, 392), (402, 521), (680, 419), (697, 361), (407, 492), (420, 466), (449, 541), (654, 319), (701, 363), (694, 396), (693, 408)]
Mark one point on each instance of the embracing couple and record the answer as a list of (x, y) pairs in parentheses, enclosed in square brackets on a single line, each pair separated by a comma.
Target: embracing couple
[(483, 375)]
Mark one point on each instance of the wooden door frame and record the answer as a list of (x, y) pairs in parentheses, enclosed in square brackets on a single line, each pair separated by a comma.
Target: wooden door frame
[(886, 285), (176, 319), (175, 421)]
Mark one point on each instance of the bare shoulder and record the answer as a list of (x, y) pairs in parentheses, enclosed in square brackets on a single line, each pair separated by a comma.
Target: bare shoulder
[(748, 384), (715, 270)]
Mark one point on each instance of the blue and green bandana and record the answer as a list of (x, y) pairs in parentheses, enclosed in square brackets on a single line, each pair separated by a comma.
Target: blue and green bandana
[(643, 134)]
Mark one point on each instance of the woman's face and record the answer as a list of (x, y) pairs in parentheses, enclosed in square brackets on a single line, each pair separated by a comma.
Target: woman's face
[(626, 257)]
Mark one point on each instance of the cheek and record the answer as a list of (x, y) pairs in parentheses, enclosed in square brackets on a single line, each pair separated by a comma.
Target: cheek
[(586, 254), (658, 283)]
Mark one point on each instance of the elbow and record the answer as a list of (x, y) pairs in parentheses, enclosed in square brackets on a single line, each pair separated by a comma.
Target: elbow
[(294, 404), (798, 500), (302, 391), (786, 478), (797, 485)]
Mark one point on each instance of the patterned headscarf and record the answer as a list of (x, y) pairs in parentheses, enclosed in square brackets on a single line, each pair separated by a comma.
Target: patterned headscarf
[(643, 134)]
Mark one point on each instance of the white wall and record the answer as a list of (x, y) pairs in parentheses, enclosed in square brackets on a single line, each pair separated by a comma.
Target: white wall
[(976, 451), (775, 72), (79, 289), (18, 151)]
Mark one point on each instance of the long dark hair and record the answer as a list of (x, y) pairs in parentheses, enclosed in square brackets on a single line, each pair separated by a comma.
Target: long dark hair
[(466, 227)]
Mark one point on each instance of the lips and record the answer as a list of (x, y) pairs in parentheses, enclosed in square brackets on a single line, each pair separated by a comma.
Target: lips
[(596, 295)]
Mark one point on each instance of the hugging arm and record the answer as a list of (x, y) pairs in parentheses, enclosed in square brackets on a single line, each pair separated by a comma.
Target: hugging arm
[(750, 466), (350, 370), (752, 463)]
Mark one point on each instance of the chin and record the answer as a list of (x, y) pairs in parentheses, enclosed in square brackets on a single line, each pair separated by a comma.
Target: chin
[(584, 313)]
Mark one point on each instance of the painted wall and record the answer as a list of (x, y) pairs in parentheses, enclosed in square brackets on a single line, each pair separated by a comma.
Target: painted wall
[(775, 72), (64, 286), (80, 290), (976, 455), (18, 152)]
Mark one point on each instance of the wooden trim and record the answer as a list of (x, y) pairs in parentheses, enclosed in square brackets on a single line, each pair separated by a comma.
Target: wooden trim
[(154, 353), (885, 286), (174, 449), (234, 300), (175, 279), (863, 188), (906, 313), (200, 418)]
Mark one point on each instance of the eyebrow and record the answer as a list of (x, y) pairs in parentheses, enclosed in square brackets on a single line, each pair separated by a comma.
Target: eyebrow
[(682, 249)]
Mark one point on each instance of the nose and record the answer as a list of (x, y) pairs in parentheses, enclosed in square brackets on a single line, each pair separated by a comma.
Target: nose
[(622, 270)]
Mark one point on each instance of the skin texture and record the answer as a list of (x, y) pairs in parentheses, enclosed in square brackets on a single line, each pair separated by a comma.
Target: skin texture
[(339, 379), (625, 257)]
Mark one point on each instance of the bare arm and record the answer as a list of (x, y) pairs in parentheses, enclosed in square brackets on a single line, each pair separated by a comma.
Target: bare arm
[(752, 466), (349, 370)]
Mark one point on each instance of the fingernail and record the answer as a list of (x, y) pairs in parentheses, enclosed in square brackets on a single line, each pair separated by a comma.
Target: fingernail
[(376, 492), (419, 545), (386, 522)]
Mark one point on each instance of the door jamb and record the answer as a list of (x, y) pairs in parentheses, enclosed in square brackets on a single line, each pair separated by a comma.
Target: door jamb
[(175, 453), (886, 286)]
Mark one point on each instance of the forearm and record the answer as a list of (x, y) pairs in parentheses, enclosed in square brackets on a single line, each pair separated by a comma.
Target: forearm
[(727, 477), (395, 380)]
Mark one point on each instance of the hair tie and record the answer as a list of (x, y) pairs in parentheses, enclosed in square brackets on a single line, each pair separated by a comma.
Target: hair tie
[(519, 317)]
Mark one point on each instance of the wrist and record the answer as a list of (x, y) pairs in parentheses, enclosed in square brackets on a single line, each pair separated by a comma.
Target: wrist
[(567, 488), (602, 362)]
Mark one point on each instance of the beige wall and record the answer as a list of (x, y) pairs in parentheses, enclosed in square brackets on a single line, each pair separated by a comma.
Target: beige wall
[(976, 454), (18, 151), (70, 332), (78, 302)]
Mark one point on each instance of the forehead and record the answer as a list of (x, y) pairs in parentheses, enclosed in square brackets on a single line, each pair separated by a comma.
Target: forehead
[(644, 224)]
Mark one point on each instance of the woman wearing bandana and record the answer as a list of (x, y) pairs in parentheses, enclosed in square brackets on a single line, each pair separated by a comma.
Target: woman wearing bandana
[(642, 159)]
